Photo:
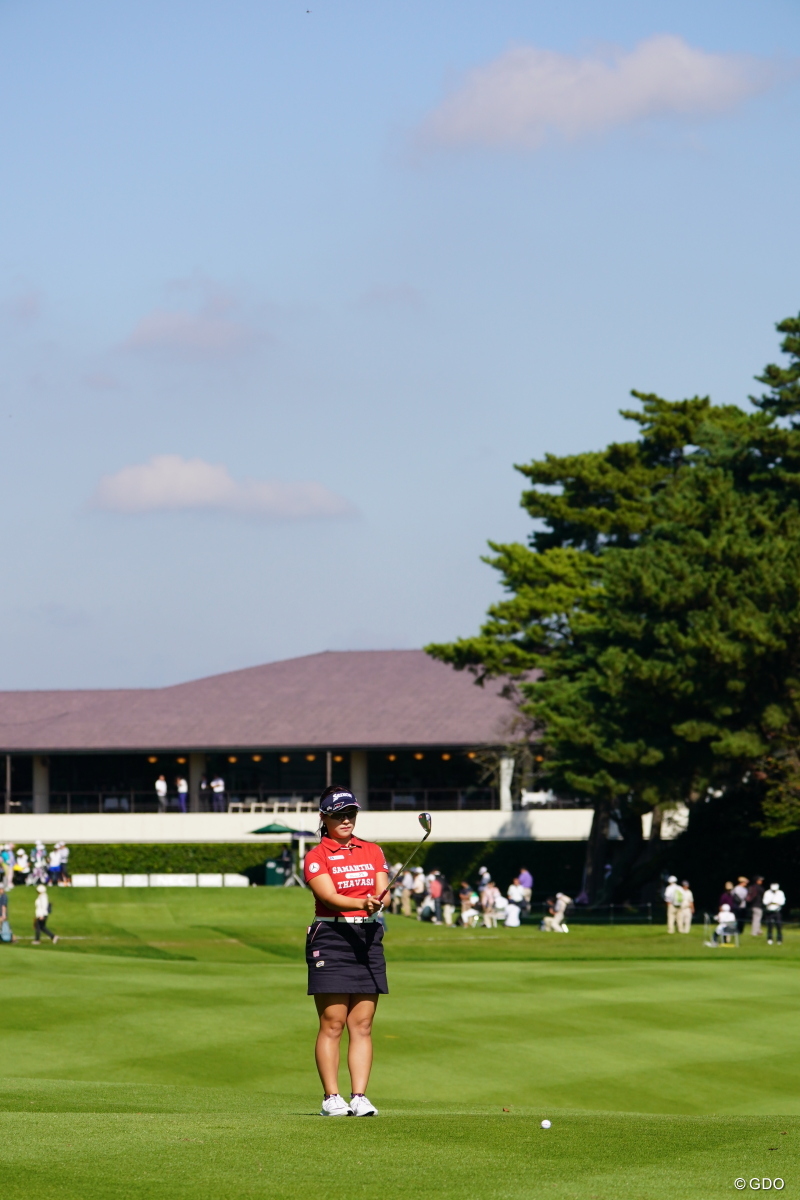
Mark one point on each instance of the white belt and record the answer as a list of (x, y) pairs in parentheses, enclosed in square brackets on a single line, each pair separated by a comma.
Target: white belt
[(349, 920)]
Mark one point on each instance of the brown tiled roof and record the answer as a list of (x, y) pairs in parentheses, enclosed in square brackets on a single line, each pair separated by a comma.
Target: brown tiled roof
[(339, 699)]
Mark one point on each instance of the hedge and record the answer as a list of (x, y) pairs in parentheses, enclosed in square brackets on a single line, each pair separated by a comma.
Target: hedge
[(555, 865), (170, 858)]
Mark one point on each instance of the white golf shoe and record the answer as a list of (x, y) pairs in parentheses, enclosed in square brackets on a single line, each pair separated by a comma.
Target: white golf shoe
[(335, 1106), (361, 1107)]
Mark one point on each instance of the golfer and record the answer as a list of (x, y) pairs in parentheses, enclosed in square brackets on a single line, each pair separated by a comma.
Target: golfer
[(344, 950)]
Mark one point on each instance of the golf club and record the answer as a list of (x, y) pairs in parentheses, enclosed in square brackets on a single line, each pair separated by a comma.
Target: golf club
[(427, 825)]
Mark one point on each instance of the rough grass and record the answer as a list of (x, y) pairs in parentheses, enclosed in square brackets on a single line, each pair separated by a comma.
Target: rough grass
[(163, 1049)]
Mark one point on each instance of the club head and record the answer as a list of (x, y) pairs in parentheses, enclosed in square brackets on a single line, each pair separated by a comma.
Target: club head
[(425, 821)]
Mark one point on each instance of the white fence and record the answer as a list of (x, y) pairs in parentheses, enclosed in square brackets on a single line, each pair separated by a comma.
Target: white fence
[(225, 879)]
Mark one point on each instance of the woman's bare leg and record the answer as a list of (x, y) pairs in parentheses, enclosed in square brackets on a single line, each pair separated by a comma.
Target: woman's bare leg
[(332, 1009), (361, 1012)]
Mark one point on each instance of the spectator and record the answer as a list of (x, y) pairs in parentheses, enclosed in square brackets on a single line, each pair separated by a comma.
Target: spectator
[(490, 898), (685, 907), (183, 792), (563, 902), (204, 790), (739, 905), (161, 793), (556, 911), (726, 925), (484, 879), (435, 893), (516, 893), (755, 898), (419, 890), (54, 866), (448, 901), (669, 898), (42, 910), (512, 914), (407, 892), (38, 864), (9, 858), (774, 901), (218, 793), (468, 900), (727, 897), (6, 934), (397, 888), (22, 867), (64, 850), (526, 883)]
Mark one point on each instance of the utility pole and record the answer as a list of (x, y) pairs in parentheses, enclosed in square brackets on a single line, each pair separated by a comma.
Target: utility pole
[(8, 784), (328, 768)]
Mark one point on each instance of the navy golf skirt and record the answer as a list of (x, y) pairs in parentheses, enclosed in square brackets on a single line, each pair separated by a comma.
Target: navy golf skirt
[(346, 958)]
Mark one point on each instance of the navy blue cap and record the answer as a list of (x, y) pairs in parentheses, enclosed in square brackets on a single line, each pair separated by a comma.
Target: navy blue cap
[(336, 802)]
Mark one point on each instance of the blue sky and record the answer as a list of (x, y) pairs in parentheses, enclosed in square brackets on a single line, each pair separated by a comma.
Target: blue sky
[(285, 294)]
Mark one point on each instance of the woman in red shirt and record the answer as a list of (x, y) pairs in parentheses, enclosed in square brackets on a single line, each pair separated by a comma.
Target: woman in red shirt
[(344, 949)]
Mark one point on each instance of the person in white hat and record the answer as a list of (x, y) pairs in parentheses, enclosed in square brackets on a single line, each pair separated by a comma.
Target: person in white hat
[(41, 913), (670, 896)]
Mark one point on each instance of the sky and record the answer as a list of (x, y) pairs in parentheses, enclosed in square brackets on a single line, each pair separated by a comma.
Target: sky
[(288, 286)]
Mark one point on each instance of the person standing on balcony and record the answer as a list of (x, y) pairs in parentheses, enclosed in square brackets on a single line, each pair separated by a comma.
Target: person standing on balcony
[(161, 793), (218, 793), (183, 792)]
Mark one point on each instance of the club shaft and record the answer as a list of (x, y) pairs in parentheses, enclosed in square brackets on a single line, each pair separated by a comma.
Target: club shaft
[(410, 858)]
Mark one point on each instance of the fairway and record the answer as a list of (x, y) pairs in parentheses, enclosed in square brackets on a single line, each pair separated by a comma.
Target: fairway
[(164, 1049)]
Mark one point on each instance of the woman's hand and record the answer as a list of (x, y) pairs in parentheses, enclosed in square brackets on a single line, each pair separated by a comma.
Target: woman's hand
[(372, 904)]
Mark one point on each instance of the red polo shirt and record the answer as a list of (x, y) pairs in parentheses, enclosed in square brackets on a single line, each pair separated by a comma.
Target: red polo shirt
[(353, 869)]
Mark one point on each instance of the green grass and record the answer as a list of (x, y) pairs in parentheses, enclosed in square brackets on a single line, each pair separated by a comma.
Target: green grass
[(164, 1049)]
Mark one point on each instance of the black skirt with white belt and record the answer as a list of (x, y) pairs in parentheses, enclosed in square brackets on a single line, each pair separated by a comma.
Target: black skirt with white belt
[(346, 957)]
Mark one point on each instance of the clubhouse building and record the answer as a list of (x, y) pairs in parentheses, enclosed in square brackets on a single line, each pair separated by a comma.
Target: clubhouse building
[(402, 730)]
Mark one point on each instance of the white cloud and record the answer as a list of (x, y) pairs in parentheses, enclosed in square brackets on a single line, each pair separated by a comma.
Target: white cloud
[(204, 333), (24, 307), (168, 482), (209, 323), (526, 94)]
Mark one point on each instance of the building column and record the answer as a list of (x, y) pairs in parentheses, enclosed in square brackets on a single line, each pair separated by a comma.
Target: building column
[(41, 783), (359, 777), (506, 775), (197, 769)]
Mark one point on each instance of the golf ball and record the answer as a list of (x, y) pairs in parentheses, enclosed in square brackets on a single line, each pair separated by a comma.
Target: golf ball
[(545, 1124)]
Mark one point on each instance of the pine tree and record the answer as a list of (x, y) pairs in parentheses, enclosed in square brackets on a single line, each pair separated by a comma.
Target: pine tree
[(653, 623)]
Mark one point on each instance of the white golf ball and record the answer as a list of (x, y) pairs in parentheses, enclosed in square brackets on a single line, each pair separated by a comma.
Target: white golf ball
[(545, 1124)]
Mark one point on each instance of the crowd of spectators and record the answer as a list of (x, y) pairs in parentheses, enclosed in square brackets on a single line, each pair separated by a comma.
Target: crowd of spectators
[(433, 897), (741, 902), (40, 869), (744, 901), (22, 868)]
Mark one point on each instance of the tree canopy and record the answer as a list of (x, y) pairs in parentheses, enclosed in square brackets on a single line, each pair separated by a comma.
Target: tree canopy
[(652, 622)]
